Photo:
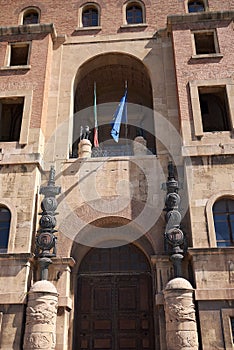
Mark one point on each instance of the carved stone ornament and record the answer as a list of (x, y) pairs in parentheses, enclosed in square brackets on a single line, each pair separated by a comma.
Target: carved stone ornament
[(180, 309), (43, 312), (40, 341), (182, 340)]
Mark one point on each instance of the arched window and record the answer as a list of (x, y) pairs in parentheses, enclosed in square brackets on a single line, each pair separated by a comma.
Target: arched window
[(223, 213), (134, 13), (196, 6), (31, 16), (5, 220), (90, 16)]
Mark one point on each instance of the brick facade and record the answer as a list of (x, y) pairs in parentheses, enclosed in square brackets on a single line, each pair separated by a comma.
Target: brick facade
[(117, 196)]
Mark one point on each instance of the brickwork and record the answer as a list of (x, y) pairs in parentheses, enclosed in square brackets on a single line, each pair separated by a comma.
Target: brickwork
[(58, 12)]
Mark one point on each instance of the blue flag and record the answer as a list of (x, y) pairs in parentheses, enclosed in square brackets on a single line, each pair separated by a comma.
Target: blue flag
[(119, 117)]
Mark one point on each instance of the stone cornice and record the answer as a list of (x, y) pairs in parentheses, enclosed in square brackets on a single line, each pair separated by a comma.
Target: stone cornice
[(30, 29), (199, 17), (16, 256), (210, 251)]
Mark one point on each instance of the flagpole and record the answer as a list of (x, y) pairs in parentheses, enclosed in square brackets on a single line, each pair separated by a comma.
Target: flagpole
[(95, 139), (126, 123)]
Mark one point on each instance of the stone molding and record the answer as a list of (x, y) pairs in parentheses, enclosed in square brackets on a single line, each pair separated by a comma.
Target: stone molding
[(200, 17), (29, 29)]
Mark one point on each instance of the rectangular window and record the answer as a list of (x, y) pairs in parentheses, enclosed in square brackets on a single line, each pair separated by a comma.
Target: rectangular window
[(19, 54), (214, 108), (205, 42), (11, 112)]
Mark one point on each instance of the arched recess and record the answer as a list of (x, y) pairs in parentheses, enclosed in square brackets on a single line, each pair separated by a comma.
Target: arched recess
[(113, 299), (111, 72)]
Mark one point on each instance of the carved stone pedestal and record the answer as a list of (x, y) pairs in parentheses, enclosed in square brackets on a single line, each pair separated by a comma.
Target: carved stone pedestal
[(84, 149), (181, 326), (40, 332)]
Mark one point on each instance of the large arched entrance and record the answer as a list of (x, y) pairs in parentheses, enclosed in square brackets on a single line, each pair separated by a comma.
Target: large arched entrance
[(110, 72), (114, 304)]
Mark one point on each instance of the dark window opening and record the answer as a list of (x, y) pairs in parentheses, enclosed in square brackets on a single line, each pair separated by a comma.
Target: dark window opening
[(31, 17), (11, 112), (5, 219), (90, 17), (232, 327), (196, 6), (19, 55), (204, 43), (223, 212), (134, 14), (214, 109)]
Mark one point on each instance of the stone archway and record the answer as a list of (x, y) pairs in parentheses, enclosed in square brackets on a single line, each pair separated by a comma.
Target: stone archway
[(110, 72), (114, 300)]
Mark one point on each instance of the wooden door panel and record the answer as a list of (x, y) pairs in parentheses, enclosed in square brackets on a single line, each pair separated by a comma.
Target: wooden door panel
[(126, 324), (114, 312), (100, 343), (102, 325), (127, 298), (127, 343), (102, 298)]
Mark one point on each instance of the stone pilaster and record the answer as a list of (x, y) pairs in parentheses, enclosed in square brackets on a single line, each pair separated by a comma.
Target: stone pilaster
[(41, 315), (181, 325)]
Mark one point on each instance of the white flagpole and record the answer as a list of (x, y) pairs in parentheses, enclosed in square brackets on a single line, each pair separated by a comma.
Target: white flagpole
[(126, 122)]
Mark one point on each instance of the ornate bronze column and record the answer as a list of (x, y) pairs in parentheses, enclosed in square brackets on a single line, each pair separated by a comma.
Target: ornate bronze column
[(46, 239), (174, 236)]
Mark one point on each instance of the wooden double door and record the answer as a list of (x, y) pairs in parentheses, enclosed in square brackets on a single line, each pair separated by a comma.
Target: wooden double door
[(114, 311)]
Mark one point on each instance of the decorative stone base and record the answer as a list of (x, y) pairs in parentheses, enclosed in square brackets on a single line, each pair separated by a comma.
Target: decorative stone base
[(41, 314), (181, 325)]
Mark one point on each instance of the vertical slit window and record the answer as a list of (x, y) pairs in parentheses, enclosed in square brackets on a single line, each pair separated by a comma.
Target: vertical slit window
[(5, 219), (232, 328)]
